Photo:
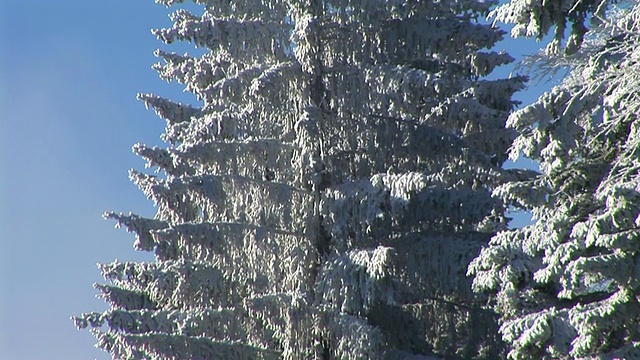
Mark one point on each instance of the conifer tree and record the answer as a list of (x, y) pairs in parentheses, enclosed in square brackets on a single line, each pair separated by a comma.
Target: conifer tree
[(326, 198), (568, 286)]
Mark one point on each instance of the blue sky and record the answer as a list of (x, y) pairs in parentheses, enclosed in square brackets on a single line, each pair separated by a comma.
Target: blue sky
[(69, 73)]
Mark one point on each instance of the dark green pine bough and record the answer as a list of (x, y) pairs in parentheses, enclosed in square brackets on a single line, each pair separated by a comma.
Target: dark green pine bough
[(325, 200)]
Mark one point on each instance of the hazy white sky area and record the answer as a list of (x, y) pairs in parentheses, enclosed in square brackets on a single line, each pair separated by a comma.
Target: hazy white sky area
[(69, 73)]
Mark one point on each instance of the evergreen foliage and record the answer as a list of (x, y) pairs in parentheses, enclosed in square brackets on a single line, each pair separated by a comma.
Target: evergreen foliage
[(326, 198), (536, 17), (568, 286)]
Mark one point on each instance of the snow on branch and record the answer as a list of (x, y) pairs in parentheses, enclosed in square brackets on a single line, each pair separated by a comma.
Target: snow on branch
[(260, 159), (350, 337), (195, 73), (215, 324), (176, 347), (253, 201), (157, 156), (215, 78), (277, 259), (178, 284), (387, 203), (371, 11), (174, 113), (290, 318), (260, 39), (483, 63), (252, 9), (169, 3), (226, 325), (172, 202), (235, 123), (534, 18), (141, 226), (395, 91), (269, 81), (364, 146), (355, 281), (121, 298), (232, 198), (395, 41)]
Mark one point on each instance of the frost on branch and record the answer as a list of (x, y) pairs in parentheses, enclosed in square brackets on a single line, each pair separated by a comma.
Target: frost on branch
[(141, 226), (120, 298), (175, 347), (350, 337), (264, 159), (268, 260), (249, 40), (178, 284), (410, 202), (353, 282), (174, 113)]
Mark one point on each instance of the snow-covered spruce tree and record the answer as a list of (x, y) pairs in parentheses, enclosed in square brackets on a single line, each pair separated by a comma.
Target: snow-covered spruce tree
[(326, 199), (568, 286)]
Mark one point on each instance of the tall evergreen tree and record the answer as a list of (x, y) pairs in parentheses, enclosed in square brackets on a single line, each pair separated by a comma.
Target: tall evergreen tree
[(568, 286), (326, 198)]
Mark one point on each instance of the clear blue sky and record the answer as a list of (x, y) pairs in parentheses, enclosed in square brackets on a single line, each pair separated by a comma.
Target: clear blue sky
[(69, 73)]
